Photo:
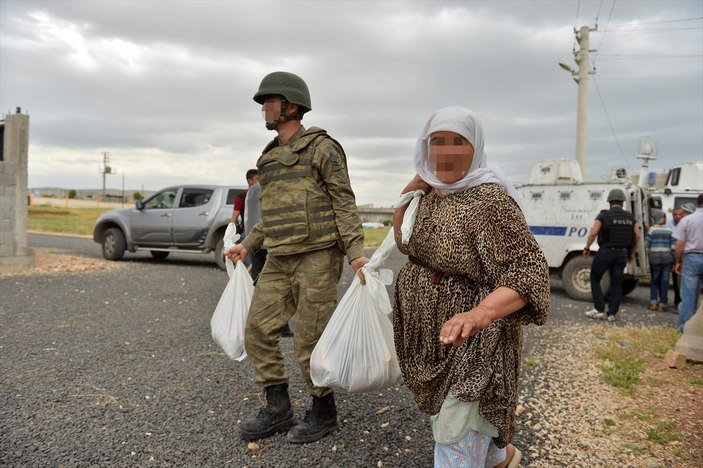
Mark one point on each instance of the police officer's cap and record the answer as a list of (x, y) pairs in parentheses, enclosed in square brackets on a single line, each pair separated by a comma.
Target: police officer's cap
[(290, 86)]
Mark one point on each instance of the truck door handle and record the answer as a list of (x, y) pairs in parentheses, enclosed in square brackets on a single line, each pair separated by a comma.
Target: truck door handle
[(166, 215), (204, 213)]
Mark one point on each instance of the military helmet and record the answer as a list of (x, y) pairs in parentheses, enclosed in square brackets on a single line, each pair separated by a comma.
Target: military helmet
[(616, 195), (290, 86)]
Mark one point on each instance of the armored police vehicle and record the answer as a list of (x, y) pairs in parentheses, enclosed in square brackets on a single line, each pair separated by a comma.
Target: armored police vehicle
[(683, 184), (560, 209)]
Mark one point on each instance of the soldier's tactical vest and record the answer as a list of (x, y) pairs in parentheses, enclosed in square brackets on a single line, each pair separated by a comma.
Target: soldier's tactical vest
[(294, 209), (617, 231)]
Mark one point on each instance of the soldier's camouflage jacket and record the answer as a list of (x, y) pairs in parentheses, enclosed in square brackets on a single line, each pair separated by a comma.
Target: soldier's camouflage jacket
[(307, 202)]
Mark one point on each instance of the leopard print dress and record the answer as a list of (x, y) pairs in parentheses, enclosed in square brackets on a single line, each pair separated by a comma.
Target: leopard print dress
[(479, 240)]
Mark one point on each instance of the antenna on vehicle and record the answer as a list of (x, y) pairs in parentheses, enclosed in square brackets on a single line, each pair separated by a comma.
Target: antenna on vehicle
[(648, 150)]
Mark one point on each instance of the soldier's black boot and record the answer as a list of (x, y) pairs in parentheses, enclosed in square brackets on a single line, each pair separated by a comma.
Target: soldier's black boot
[(276, 416), (318, 422)]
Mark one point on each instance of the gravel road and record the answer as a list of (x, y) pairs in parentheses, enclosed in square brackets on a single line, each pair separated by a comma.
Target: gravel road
[(118, 368)]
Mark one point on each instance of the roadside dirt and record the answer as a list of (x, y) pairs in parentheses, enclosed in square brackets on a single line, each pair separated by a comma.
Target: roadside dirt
[(50, 262), (674, 394)]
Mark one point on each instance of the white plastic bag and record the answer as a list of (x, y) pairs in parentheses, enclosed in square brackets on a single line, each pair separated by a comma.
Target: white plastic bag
[(230, 317), (406, 228), (356, 352), (230, 239)]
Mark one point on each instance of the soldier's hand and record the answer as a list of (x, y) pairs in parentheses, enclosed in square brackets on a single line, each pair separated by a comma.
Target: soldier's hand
[(356, 265), (236, 252)]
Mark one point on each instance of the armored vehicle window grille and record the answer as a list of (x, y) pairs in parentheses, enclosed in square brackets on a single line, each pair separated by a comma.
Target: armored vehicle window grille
[(674, 176), (596, 195), (565, 195), (537, 196), (546, 169)]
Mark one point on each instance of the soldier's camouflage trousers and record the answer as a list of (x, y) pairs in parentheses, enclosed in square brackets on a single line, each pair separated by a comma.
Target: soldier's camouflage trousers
[(304, 285)]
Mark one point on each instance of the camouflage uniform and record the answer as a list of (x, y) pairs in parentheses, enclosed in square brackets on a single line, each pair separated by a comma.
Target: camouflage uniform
[(309, 221)]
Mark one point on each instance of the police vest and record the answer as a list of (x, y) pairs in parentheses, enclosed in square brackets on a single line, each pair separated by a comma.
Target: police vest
[(617, 230), (294, 208)]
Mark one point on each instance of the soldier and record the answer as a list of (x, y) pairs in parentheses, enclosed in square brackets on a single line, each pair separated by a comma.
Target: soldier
[(309, 221), (618, 236)]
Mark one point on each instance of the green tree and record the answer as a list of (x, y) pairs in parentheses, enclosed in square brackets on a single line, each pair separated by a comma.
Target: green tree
[(137, 196), (72, 194)]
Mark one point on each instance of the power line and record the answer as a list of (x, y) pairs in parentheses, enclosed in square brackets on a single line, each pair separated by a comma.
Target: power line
[(607, 24), (646, 56), (607, 116), (578, 9), (657, 22), (644, 32), (642, 78)]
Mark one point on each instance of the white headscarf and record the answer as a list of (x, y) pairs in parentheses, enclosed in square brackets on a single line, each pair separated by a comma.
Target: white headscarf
[(463, 122)]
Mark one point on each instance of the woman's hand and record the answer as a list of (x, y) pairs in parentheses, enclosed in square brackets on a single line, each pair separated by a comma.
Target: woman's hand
[(458, 328), (501, 302), (417, 184)]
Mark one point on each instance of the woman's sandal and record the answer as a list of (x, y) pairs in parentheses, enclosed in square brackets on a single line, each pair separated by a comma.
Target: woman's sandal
[(514, 460)]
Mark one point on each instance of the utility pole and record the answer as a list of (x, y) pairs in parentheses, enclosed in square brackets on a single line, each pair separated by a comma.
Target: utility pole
[(580, 76), (105, 169)]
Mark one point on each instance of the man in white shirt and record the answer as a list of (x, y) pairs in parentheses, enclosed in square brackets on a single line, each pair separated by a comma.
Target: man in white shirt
[(689, 261)]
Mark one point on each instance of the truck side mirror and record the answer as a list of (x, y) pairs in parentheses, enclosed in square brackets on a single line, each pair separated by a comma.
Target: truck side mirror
[(139, 204)]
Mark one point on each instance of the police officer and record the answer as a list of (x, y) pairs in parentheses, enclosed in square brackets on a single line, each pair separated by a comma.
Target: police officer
[(618, 236), (309, 222)]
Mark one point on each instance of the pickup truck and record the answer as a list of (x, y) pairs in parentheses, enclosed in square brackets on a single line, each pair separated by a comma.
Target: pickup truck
[(186, 218)]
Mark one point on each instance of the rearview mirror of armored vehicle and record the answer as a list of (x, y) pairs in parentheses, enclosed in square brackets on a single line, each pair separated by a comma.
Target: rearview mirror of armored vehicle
[(139, 205)]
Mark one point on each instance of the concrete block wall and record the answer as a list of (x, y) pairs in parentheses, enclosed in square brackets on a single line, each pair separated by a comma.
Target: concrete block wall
[(14, 253)]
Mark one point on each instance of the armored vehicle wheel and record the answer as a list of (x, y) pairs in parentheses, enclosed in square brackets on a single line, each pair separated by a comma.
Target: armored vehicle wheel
[(114, 245), (159, 255), (576, 278), (219, 254)]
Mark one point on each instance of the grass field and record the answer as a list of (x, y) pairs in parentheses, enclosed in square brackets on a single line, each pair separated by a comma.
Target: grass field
[(80, 221)]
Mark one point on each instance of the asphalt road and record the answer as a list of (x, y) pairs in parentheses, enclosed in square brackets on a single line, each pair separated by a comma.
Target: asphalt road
[(118, 368)]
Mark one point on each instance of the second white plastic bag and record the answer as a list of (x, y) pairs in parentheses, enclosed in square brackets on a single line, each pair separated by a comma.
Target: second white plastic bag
[(230, 317), (356, 352)]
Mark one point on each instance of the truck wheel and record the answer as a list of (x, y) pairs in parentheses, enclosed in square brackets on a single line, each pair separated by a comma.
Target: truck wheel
[(114, 244), (219, 254), (629, 285), (158, 254), (576, 278)]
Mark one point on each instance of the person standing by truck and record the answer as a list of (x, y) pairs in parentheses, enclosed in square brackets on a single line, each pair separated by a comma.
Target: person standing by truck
[(239, 210), (309, 222), (676, 215), (618, 235), (689, 261), (660, 245)]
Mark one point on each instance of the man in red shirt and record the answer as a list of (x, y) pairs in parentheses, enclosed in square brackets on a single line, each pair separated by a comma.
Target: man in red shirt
[(238, 212)]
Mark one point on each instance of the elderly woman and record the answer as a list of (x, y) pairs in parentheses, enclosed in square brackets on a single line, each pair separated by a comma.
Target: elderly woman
[(475, 277)]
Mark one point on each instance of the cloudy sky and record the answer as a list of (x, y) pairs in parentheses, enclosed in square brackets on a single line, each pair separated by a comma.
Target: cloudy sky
[(165, 87)]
